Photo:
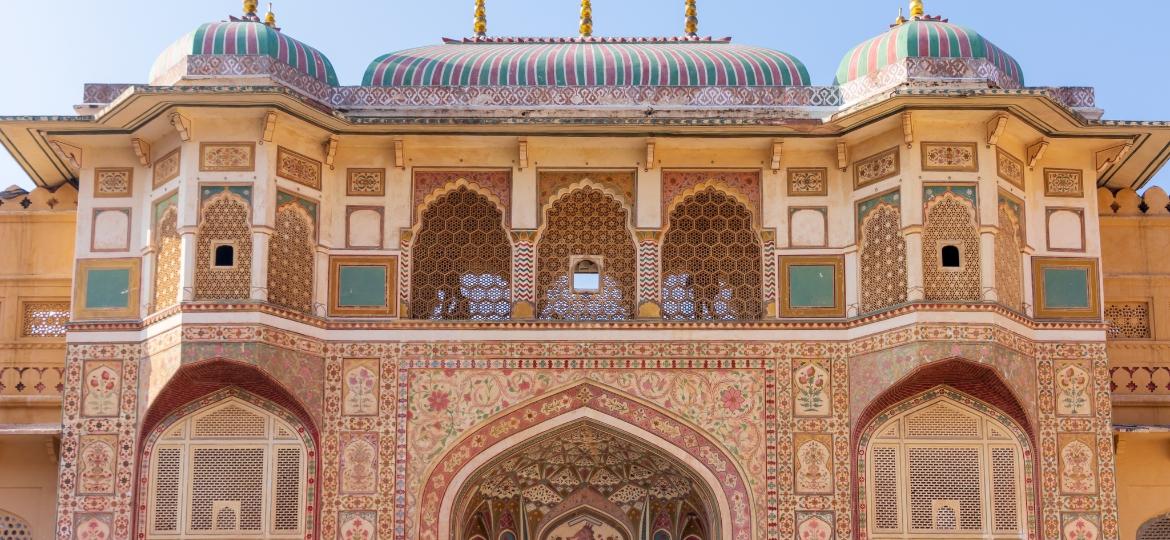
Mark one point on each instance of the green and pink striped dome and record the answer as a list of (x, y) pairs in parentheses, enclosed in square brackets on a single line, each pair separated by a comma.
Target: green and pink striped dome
[(246, 38), (924, 38), (588, 62)]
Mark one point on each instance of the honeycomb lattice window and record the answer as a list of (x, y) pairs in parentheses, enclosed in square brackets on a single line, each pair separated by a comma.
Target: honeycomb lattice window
[(883, 259), (1009, 278), (950, 221), (887, 514), (711, 260), (229, 476), (1155, 529), (1128, 320), (461, 260), (168, 260), (168, 469), (946, 473), (13, 528), (44, 319), (588, 222), (291, 259), (225, 217)]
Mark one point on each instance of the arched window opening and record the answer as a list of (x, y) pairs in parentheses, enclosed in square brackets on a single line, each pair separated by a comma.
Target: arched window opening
[(461, 266), (228, 468), (712, 261), (942, 467), (951, 257), (586, 224), (587, 275)]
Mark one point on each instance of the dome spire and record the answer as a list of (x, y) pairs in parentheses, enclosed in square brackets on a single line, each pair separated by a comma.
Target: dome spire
[(270, 17), (250, 7), (479, 27), (692, 19), (586, 18), (917, 10)]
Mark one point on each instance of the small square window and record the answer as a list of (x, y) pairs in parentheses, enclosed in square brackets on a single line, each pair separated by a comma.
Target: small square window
[(223, 255), (585, 273), (950, 255)]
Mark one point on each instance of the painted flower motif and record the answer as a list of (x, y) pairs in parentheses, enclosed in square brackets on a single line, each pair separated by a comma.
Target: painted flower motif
[(1073, 382), (810, 389), (438, 401), (733, 398)]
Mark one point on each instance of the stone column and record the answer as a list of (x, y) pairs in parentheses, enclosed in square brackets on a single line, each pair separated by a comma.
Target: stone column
[(987, 263), (914, 279), (187, 247), (260, 237)]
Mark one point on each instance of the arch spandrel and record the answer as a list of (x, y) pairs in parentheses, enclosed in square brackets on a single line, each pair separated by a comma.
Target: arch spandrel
[(705, 457)]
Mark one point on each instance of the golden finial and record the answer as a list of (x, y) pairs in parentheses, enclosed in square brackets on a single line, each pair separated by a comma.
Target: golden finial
[(270, 17), (916, 9), (250, 7), (586, 18), (692, 16), (480, 25), (900, 20)]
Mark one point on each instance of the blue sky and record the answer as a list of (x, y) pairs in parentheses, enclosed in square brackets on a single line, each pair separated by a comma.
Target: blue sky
[(51, 49)]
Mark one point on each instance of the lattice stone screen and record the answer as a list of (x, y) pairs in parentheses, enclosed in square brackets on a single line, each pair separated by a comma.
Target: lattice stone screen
[(13, 528), (168, 260), (291, 258), (950, 220), (1009, 278), (1155, 529), (230, 469), (883, 259), (944, 469), (224, 218), (586, 222), (1128, 320), (461, 260), (44, 319), (711, 263)]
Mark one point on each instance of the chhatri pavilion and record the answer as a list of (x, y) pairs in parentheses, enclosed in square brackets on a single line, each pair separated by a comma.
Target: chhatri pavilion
[(585, 288)]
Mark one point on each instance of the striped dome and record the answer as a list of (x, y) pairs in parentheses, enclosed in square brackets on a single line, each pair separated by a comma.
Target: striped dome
[(586, 63), (924, 38), (246, 38)]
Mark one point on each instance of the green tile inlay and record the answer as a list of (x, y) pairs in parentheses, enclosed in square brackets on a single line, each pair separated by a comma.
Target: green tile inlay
[(1066, 288), (362, 286), (107, 288), (811, 286)]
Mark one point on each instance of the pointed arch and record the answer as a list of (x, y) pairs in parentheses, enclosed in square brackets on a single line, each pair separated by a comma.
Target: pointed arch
[(167, 258), (201, 384), (712, 257), (951, 222), (461, 256), (588, 401), (1155, 528), (586, 219), (292, 258), (1007, 443), (882, 258), (225, 218)]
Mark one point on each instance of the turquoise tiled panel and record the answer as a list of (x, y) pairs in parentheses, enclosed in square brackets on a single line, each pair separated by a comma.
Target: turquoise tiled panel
[(107, 288), (1066, 288), (362, 286), (811, 286)]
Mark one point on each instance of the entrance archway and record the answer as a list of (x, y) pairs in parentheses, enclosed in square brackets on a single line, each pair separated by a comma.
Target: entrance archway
[(584, 480), (727, 502)]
